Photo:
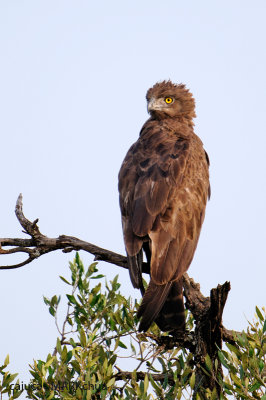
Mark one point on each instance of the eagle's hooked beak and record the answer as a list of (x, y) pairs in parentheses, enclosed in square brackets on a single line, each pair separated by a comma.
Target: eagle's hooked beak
[(153, 105)]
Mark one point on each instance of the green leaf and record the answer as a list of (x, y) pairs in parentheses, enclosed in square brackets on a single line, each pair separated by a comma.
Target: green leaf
[(208, 362), (64, 354), (223, 360), (98, 276), (141, 386), (51, 396), (110, 382), (192, 380), (236, 380), (92, 268), (156, 387), (75, 364), (52, 311), (259, 314), (241, 338), (214, 394), (58, 346), (132, 348), (83, 339), (161, 361), (71, 299), (46, 300), (54, 300), (181, 360), (6, 362), (264, 329), (64, 280), (7, 380), (256, 386), (233, 349), (112, 324), (120, 344), (146, 383), (69, 356), (49, 362)]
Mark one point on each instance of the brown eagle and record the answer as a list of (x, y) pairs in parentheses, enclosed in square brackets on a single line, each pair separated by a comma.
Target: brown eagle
[(164, 186)]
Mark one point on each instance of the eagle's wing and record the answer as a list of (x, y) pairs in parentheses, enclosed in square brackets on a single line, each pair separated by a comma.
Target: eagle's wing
[(160, 202)]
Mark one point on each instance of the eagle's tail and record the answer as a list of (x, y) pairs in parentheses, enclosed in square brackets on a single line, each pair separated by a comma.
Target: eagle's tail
[(172, 314), (135, 270), (164, 305)]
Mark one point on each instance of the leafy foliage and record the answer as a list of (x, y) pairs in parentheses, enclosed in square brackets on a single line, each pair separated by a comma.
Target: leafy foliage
[(99, 353), (246, 362)]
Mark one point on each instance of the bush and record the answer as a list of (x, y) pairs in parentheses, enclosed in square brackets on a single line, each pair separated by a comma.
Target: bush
[(99, 337)]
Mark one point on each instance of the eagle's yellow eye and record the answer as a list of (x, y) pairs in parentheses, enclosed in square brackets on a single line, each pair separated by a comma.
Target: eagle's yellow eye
[(168, 100)]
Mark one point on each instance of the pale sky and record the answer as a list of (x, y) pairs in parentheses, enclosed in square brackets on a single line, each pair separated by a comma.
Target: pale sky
[(73, 80)]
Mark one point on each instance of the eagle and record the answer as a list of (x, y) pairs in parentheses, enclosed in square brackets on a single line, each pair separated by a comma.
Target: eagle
[(163, 190)]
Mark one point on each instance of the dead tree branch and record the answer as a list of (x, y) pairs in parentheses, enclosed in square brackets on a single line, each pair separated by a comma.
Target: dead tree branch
[(40, 244), (123, 375)]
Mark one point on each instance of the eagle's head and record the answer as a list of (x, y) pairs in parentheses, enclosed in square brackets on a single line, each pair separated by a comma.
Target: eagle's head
[(166, 99)]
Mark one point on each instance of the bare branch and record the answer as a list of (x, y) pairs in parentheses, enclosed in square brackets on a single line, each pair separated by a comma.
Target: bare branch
[(30, 227), (121, 375), (40, 244), (195, 301), (209, 338)]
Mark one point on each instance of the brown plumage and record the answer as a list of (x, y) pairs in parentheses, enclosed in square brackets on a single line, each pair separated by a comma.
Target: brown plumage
[(164, 186)]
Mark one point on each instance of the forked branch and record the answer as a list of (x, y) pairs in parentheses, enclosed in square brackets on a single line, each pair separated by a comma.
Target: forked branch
[(40, 244)]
